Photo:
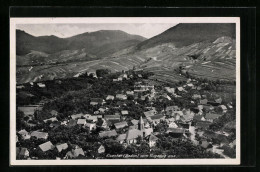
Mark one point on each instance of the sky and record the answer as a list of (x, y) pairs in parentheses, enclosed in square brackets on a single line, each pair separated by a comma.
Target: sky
[(146, 30)]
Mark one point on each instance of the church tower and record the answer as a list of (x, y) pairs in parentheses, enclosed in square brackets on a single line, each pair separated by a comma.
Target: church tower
[(141, 124)]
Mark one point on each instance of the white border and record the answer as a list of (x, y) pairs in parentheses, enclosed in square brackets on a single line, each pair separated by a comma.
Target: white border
[(174, 20)]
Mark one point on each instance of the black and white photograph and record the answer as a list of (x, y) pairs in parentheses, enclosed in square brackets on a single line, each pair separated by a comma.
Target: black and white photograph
[(125, 90)]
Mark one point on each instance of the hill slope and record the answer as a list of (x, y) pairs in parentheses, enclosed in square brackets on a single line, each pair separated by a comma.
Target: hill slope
[(188, 33), (108, 41)]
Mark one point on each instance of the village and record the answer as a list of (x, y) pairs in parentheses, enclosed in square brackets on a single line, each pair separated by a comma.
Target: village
[(139, 117)]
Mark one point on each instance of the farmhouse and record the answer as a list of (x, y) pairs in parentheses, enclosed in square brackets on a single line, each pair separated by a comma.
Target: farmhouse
[(46, 146), (112, 117), (132, 135), (152, 140), (157, 118), (108, 133), (124, 112), (72, 123), (91, 126), (22, 152), (129, 92), (61, 147), (76, 116), (81, 122), (96, 101), (41, 85), (203, 101), (121, 96), (110, 97), (211, 117), (150, 113), (101, 149), (120, 124), (121, 138), (39, 135), (223, 108), (50, 119), (75, 153), (196, 96), (25, 135)]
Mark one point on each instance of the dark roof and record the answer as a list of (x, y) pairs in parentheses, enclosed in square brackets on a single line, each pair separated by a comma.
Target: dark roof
[(212, 116), (203, 124), (156, 117), (72, 123), (98, 100), (175, 130)]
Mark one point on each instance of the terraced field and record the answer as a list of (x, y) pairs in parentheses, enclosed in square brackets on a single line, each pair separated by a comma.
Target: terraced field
[(212, 60)]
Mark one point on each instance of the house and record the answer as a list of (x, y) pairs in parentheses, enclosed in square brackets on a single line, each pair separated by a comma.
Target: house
[(121, 96), (93, 118), (54, 113), (19, 86), (135, 122), (170, 90), (39, 135), (203, 124), (87, 116), (55, 124), (121, 138), (172, 125), (180, 88), (132, 135), (219, 100), (157, 118), (115, 80), (124, 112), (152, 140), (119, 78), (108, 133), (50, 119), (46, 146), (147, 131), (61, 147), (139, 75), (72, 123), (175, 132), (120, 124), (199, 118), (211, 117), (204, 101), (110, 97), (223, 108), (96, 101), (208, 108), (101, 110), (81, 122), (129, 92), (74, 153), (172, 108), (196, 96), (25, 135), (190, 85), (91, 126), (150, 113), (112, 117), (22, 152), (41, 85), (205, 144), (232, 144), (101, 149), (76, 116)]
